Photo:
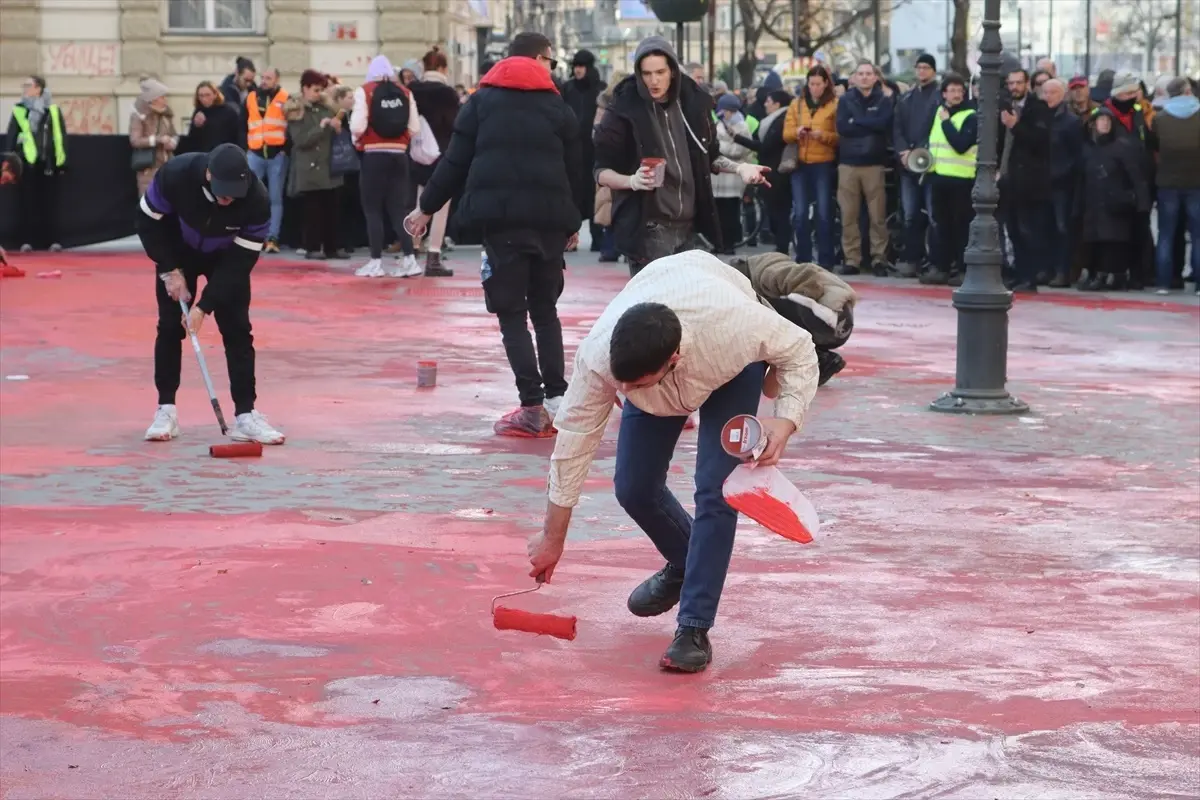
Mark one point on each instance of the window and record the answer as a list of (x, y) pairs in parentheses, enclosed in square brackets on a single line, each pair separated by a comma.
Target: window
[(212, 16)]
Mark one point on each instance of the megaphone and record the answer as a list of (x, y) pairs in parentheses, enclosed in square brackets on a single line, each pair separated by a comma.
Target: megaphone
[(920, 160)]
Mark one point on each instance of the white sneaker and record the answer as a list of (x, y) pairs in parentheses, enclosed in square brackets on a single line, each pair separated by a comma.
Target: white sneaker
[(371, 269), (1163, 292), (165, 426), (253, 427), (407, 267), (552, 404)]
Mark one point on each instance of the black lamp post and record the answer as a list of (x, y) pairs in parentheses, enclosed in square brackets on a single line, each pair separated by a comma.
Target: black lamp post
[(982, 301)]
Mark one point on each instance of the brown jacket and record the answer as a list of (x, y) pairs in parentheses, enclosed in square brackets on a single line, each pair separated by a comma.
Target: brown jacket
[(149, 128), (818, 149)]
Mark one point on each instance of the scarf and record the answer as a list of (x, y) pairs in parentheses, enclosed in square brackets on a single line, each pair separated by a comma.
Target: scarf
[(433, 76), (37, 108)]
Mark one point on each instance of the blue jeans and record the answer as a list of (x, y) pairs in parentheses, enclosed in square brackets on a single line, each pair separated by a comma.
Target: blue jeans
[(1063, 246), (1171, 203), (701, 548), (273, 172), (814, 183), (916, 202)]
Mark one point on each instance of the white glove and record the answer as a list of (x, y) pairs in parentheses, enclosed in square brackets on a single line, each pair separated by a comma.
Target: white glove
[(751, 173), (641, 181)]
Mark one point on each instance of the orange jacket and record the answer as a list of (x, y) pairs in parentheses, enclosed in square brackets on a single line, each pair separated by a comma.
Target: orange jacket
[(270, 130), (820, 148)]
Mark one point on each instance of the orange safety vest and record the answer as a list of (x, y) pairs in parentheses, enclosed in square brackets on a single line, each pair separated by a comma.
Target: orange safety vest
[(271, 130)]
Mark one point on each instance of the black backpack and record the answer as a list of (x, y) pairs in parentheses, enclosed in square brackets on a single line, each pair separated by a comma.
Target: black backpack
[(389, 110)]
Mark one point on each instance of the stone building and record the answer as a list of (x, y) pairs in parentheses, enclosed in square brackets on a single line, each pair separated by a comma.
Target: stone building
[(92, 52)]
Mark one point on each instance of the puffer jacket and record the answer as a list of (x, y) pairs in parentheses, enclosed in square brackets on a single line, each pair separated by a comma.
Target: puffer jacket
[(312, 146), (819, 149), (805, 294)]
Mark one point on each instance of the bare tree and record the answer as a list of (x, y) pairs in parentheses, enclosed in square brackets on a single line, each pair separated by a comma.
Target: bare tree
[(1142, 23), (958, 36)]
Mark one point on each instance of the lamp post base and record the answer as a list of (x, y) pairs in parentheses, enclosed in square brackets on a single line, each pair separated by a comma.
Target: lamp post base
[(951, 403)]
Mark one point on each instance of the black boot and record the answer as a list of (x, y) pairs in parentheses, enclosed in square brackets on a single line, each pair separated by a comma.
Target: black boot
[(690, 652), (434, 268), (955, 279), (658, 594), (829, 364)]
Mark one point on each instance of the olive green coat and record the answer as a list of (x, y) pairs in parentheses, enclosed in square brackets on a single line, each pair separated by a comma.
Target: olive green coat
[(311, 147)]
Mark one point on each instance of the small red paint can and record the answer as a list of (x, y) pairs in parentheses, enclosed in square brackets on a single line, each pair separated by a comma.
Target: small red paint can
[(426, 374), (744, 437)]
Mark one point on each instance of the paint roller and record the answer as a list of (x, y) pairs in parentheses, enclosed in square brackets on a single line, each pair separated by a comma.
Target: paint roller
[(237, 449), (514, 619)]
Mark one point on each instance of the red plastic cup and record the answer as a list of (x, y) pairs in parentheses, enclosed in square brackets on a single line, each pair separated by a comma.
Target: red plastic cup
[(659, 168)]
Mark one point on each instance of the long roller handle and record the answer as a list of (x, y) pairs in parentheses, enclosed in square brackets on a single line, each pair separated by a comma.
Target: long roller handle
[(208, 384)]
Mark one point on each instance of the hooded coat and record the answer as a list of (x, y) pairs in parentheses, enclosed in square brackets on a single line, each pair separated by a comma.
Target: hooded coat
[(629, 132), (515, 149), (312, 146), (805, 294), (1113, 188), (222, 123), (149, 128), (439, 105), (582, 95)]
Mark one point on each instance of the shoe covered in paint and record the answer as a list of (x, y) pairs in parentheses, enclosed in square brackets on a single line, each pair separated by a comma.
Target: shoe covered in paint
[(371, 269), (829, 364), (527, 422), (406, 267), (253, 427), (552, 404), (690, 652), (434, 267), (165, 426), (658, 594)]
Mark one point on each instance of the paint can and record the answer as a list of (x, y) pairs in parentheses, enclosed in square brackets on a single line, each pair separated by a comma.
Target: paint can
[(743, 437), (426, 374)]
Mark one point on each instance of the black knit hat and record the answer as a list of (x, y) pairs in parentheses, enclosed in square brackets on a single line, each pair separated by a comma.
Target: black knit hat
[(925, 58)]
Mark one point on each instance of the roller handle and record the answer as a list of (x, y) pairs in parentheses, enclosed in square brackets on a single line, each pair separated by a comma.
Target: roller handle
[(208, 384)]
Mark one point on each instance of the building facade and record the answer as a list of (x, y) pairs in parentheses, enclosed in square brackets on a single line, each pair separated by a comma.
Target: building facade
[(93, 52)]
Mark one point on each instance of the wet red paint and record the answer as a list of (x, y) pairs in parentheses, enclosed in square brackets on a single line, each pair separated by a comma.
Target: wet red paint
[(515, 619), (1000, 602), (771, 513)]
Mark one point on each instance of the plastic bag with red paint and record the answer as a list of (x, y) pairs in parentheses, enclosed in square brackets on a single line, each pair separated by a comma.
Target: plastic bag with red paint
[(764, 495)]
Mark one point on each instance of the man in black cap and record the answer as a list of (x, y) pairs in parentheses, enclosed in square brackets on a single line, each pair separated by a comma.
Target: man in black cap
[(910, 130), (206, 214)]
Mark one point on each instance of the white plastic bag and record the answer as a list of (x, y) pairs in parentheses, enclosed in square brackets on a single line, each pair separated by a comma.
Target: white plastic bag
[(424, 147), (764, 495)]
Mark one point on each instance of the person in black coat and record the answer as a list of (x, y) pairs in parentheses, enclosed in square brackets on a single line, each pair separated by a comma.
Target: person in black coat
[(214, 122), (1025, 182), (1113, 189), (439, 105), (515, 149), (581, 93), (768, 142), (1066, 151)]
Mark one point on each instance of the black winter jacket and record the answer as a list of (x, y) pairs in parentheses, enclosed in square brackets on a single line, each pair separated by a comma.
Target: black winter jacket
[(581, 96), (625, 136), (438, 103), (1113, 189), (864, 126), (914, 117), (1028, 177), (515, 149), (1066, 147), (768, 142), (222, 123)]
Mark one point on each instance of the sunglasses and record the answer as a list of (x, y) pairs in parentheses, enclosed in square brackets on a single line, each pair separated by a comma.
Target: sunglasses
[(552, 61)]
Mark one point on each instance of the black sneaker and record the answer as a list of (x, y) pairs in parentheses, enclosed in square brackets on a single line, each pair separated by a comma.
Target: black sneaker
[(955, 279), (845, 269), (829, 364), (933, 277), (690, 652), (658, 594), (1059, 282), (882, 269)]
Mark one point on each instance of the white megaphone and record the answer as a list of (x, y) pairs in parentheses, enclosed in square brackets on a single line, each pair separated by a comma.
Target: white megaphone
[(919, 160)]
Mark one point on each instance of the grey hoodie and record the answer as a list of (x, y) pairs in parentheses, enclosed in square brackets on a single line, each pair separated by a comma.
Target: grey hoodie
[(675, 200)]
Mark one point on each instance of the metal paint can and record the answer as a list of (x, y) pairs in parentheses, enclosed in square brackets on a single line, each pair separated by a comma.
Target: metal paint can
[(426, 374), (743, 437)]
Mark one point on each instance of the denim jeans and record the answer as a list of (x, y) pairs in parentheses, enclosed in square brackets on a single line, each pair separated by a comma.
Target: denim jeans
[(814, 183), (1172, 203), (916, 202), (702, 547), (273, 172), (1063, 244)]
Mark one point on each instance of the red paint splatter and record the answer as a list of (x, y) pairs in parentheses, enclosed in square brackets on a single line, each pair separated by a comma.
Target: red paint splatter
[(771, 513)]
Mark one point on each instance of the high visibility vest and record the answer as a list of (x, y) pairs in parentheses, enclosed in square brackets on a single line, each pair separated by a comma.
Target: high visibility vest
[(29, 145), (946, 160), (270, 130)]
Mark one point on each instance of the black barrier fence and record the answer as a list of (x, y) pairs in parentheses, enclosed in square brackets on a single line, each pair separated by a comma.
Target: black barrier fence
[(97, 200)]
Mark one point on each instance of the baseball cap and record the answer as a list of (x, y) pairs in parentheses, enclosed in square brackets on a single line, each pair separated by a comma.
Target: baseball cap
[(229, 173), (1077, 82)]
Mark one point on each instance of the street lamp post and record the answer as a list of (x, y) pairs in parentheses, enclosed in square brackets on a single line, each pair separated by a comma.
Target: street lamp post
[(982, 301)]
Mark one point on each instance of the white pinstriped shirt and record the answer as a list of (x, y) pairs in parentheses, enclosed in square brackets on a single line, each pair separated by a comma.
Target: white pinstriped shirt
[(725, 329)]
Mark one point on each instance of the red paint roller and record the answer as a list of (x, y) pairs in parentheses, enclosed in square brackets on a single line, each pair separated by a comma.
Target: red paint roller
[(513, 619), (236, 450)]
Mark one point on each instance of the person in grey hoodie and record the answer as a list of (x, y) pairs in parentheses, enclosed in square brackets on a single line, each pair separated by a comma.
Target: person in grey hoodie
[(910, 129), (658, 112), (1178, 129)]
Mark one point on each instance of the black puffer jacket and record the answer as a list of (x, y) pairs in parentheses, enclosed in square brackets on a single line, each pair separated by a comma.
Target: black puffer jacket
[(1113, 188), (438, 103), (515, 149), (222, 123), (581, 95), (625, 136)]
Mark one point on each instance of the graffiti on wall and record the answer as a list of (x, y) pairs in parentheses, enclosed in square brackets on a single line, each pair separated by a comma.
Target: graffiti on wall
[(96, 115), (93, 59)]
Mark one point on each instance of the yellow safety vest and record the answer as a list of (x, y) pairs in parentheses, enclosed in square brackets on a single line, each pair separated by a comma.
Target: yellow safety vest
[(946, 160), (29, 147)]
